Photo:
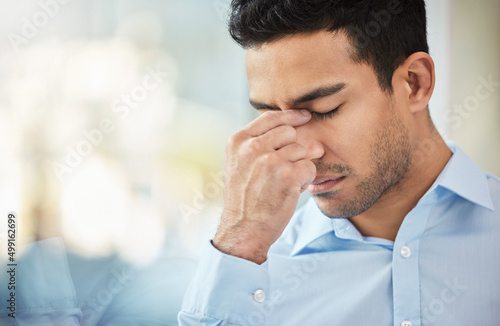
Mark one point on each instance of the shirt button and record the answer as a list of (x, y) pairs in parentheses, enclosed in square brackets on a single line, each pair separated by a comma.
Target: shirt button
[(259, 295), (405, 253), (406, 323)]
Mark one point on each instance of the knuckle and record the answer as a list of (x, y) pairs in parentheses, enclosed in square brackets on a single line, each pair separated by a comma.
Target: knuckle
[(254, 144), (301, 150), (270, 159), (286, 171), (264, 159), (267, 115), (234, 140), (247, 149), (272, 117), (295, 152), (290, 131), (250, 146)]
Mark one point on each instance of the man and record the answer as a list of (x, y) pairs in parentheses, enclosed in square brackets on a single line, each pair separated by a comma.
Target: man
[(402, 229)]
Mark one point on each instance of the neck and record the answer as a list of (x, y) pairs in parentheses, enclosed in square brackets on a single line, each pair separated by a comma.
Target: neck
[(384, 218)]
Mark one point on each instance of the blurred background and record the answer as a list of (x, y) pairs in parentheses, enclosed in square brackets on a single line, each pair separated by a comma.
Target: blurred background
[(114, 114)]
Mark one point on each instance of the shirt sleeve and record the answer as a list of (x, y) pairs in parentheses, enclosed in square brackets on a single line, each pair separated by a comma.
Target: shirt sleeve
[(45, 291), (225, 290), (153, 297)]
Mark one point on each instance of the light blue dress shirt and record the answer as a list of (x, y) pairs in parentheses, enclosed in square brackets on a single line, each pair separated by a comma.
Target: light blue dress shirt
[(442, 269)]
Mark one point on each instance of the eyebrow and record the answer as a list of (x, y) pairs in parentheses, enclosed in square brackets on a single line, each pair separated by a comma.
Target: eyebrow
[(313, 95)]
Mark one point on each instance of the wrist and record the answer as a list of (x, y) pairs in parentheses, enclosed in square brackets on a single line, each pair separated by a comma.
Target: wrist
[(235, 244)]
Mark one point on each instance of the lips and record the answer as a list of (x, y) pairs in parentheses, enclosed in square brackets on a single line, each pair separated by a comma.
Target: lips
[(320, 180), (324, 184)]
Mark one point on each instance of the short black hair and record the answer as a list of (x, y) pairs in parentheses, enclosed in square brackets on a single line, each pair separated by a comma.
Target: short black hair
[(384, 33)]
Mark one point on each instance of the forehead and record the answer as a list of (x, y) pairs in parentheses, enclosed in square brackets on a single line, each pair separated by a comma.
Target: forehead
[(289, 66)]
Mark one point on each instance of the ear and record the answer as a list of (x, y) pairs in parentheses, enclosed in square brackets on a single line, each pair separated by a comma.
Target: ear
[(419, 78)]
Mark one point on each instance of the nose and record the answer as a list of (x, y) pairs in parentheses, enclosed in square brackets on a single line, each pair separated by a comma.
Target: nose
[(307, 137)]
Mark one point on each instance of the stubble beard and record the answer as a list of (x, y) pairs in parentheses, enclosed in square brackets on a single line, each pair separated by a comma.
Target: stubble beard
[(390, 160)]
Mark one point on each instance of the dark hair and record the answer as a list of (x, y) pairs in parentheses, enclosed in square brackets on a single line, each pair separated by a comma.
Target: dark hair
[(384, 32)]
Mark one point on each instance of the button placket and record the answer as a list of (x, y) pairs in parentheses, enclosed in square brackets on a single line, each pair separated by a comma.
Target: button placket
[(405, 268)]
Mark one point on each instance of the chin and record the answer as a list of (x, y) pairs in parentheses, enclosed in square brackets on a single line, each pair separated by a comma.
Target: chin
[(329, 206), (333, 206)]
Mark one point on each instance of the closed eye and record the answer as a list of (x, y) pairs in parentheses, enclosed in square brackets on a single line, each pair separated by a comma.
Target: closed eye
[(326, 115)]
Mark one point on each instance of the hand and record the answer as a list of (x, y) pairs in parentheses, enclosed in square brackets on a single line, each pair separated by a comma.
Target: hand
[(266, 170)]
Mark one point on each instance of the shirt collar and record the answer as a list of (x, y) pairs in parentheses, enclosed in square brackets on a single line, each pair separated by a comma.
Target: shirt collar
[(314, 224), (464, 178), (460, 176)]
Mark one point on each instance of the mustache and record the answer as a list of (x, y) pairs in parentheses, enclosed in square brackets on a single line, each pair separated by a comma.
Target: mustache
[(329, 168)]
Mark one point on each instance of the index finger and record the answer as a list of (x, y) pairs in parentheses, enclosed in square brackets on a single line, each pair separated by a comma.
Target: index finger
[(272, 119)]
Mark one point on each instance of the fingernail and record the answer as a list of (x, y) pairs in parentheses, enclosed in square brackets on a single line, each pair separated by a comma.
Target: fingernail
[(305, 113)]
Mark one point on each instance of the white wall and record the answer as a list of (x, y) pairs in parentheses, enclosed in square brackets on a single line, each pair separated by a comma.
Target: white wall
[(464, 38), (475, 56)]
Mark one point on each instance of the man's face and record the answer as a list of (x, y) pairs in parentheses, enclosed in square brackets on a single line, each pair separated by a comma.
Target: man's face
[(365, 143)]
